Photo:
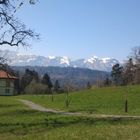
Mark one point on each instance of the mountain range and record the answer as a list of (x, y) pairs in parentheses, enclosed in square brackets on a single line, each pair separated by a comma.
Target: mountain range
[(94, 63)]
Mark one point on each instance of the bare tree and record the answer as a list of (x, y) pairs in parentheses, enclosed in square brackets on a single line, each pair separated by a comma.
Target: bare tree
[(12, 31), (129, 72), (136, 55), (3, 1), (136, 58), (7, 2)]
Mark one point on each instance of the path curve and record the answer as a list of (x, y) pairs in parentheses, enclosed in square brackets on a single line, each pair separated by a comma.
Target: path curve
[(38, 107)]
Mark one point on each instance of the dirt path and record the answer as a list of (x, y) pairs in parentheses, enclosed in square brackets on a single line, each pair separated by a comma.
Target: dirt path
[(37, 107)]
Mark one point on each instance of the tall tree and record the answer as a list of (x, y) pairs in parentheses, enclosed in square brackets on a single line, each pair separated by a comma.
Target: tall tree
[(13, 32), (28, 77), (136, 61), (89, 85), (116, 74), (47, 81), (56, 86), (3, 63), (129, 72), (107, 81), (136, 55)]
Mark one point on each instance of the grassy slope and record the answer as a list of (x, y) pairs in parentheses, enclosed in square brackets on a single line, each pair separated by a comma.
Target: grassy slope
[(101, 101), (17, 122)]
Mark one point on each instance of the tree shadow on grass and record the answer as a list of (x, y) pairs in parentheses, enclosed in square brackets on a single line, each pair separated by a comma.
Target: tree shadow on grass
[(51, 121), (8, 105), (66, 121), (23, 112)]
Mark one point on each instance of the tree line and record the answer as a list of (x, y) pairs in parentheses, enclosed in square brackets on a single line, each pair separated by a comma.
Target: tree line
[(129, 73), (32, 83)]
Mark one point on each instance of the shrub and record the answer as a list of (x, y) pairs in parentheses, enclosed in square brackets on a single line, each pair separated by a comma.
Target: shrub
[(36, 88)]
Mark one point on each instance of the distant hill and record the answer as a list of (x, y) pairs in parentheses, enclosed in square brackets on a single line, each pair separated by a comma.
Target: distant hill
[(77, 77), (94, 63)]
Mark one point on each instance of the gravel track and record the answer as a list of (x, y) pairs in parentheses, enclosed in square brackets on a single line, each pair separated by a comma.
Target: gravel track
[(38, 107)]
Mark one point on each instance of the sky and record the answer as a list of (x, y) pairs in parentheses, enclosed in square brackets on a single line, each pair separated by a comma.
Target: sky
[(83, 28)]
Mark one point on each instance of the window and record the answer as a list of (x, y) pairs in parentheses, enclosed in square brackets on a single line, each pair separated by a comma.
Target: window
[(7, 83), (7, 90)]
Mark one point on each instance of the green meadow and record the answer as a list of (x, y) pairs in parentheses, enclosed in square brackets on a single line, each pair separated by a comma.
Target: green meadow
[(108, 100), (18, 122)]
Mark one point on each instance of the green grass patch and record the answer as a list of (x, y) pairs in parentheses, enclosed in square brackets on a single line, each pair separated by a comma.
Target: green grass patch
[(18, 122), (109, 100)]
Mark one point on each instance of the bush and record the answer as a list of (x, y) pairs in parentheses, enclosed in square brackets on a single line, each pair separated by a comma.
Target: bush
[(36, 88)]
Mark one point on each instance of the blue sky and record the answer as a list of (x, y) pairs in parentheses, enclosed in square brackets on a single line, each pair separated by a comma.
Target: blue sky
[(83, 28)]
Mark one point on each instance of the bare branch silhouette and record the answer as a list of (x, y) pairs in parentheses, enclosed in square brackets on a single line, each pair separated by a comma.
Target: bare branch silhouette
[(12, 31)]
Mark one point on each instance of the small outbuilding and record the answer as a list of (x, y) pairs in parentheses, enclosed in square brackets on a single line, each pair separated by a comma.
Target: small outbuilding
[(7, 83)]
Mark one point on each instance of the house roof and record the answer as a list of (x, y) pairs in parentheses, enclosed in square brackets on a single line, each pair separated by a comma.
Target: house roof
[(6, 75)]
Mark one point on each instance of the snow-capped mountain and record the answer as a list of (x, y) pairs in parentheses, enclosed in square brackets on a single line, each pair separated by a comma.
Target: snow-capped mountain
[(15, 59)]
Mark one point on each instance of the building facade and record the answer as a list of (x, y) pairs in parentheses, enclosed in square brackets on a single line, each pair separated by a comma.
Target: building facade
[(7, 83)]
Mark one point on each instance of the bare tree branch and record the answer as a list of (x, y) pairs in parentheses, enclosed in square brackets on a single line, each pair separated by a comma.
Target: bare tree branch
[(12, 31), (3, 1)]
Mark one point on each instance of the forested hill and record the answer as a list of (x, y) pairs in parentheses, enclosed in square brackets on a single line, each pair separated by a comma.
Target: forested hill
[(77, 77)]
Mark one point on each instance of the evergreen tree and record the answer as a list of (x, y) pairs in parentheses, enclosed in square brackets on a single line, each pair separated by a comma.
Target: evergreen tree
[(56, 86), (47, 81), (28, 76), (129, 72), (88, 85), (107, 82), (117, 74)]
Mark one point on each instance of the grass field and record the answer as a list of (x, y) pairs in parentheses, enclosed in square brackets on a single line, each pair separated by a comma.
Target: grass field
[(99, 101), (18, 122)]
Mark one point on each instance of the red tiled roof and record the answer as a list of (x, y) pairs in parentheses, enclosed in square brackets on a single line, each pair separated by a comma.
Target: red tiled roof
[(5, 75)]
